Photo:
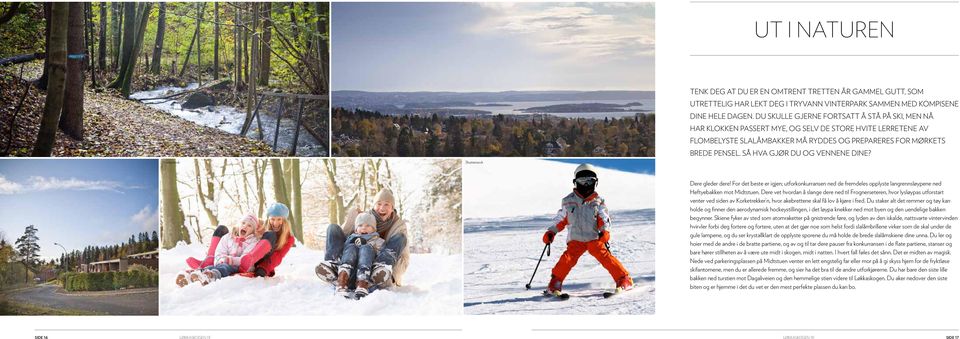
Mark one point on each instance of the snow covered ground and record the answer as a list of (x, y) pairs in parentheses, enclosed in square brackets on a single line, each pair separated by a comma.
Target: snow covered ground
[(229, 119), (500, 256), (509, 203), (433, 286)]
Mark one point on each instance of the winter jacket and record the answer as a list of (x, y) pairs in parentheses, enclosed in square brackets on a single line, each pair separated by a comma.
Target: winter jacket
[(270, 262), (387, 228), (231, 248), (373, 239), (585, 218)]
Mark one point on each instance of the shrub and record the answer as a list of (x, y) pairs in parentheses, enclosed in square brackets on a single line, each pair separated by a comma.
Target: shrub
[(105, 281)]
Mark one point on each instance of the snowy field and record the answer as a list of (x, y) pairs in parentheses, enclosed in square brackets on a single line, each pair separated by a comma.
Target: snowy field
[(230, 119), (511, 202), (432, 286), (501, 254)]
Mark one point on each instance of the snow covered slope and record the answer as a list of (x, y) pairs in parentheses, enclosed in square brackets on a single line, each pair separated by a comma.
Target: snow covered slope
[(504, 188), (433, 286), (500, 255)]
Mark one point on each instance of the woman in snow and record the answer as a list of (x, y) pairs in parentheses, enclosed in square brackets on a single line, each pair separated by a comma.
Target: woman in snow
[(229, 250), (391, 261), (359, 250), (275, 240)]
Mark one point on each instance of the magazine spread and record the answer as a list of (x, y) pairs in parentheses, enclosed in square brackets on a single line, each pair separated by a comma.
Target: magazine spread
[(201, 170)]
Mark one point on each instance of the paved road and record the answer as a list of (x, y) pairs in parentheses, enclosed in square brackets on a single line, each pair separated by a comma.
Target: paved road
[(134, 302)]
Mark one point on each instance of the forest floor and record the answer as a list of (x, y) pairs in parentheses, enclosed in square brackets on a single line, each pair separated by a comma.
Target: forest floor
[(113, 127)]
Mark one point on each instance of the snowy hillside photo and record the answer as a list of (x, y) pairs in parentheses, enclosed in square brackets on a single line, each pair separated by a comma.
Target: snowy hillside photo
[(504, 224), (302, 198)]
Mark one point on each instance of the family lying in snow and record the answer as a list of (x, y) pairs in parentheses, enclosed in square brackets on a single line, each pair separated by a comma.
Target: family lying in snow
[(369, 251)]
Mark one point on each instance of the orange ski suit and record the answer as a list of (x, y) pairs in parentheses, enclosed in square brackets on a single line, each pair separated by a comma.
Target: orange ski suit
[(586, 220)]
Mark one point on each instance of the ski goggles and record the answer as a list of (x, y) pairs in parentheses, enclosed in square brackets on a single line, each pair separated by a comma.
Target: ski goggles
[(586, 181)]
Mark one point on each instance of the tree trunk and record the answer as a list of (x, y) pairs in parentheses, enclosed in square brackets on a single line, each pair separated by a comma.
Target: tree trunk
[(206, 198), (337, 212), (199, 43), (115, 22), (216, 41), (42, 82), (71, 118), (102, 46), (158, 43), (237, 56), (126, 41), (196, 37), (88, 8), (296, 198), (140, 18), (56, 69), (173, 229), (264, 79), (281, 196), (260, 170)]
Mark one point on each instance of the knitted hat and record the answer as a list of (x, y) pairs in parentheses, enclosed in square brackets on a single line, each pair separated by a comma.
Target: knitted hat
[(250, 219), (278, 210), (385, 195), (365, 218)]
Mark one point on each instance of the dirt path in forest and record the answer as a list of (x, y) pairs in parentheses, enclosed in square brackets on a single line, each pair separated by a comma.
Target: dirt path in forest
[(116, 127)]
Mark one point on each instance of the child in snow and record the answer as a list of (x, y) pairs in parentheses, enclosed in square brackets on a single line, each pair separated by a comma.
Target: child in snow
[(359, 250), (227, 258), (584, 213)]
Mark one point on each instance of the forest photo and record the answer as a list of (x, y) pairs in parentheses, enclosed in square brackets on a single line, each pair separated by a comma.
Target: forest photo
[(494, 79), (156, 79), (285, 220)]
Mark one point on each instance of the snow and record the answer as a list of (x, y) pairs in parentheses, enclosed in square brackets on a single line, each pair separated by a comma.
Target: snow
[(433, 286), (506, 188), (511, 202), (230, 119), (500, 255)]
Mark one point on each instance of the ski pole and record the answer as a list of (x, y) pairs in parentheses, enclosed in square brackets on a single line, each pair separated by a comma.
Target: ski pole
[(546, 249)]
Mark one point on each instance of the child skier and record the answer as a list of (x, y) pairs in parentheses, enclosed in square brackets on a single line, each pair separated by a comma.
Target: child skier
[(584, 213), (359, 250), (230, 249)]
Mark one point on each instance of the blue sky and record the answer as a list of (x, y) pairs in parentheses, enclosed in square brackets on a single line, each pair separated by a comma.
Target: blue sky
[(492, 46), (645, 166), (78, 202)]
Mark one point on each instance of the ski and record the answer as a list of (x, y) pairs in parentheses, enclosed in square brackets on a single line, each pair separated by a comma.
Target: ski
[(557, 295), (616, 292)]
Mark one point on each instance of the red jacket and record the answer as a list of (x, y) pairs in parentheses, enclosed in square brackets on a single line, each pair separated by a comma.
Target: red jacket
[(271, 262)]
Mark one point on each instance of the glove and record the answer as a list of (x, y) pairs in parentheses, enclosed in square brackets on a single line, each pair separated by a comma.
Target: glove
[(604, 236), (548, 237), (359, 241)]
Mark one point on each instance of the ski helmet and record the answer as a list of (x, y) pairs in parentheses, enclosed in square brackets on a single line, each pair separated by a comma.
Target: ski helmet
[(585, 168), (585, 179)]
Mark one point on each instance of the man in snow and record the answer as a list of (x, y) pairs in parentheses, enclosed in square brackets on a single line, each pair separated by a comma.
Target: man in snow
[(584, 213), (391, 261)]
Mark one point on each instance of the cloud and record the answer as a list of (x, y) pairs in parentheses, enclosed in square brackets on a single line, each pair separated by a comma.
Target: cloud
[(9, 187), (39, 184), (49, 184), (577, 32), (146, 219)]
